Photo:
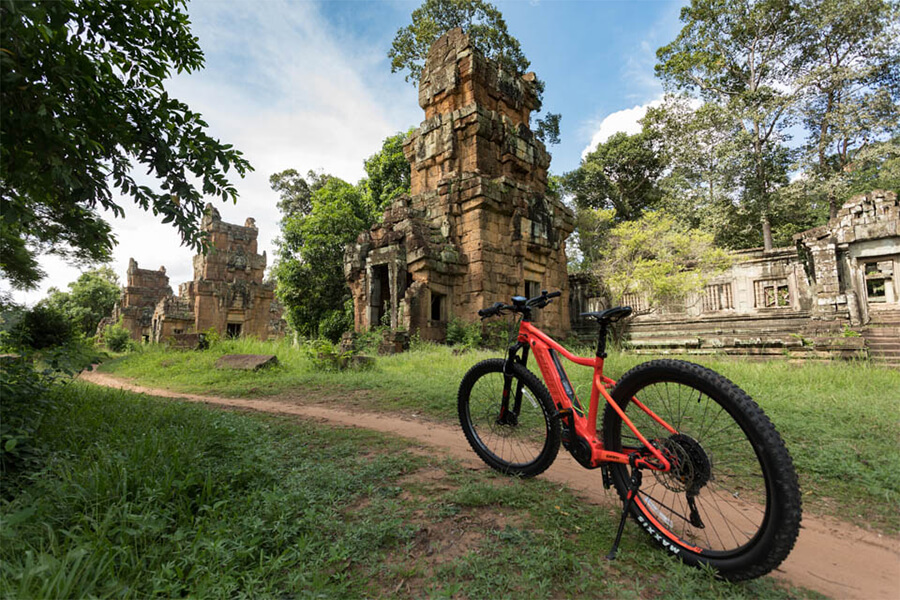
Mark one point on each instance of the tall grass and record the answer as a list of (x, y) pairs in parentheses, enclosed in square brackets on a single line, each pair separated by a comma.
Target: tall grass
[(149, 498), (841, 421)]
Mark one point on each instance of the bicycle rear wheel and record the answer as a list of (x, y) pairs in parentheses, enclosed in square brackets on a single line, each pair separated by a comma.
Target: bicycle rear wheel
[(516, 436), (732, 499)]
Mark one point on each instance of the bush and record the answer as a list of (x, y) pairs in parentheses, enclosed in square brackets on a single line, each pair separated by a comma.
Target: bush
[(42, 327), (24, 399), (336, 322), (117, 338), (460, 333), (26, 396)]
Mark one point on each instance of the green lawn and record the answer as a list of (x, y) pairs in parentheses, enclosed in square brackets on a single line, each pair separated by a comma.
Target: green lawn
[(141, 497), (841, 421)]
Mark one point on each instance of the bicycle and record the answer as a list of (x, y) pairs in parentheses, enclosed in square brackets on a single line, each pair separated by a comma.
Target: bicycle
[(722, 488)]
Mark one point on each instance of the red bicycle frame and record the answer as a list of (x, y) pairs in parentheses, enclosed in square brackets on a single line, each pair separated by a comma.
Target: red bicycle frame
[(545, 351)]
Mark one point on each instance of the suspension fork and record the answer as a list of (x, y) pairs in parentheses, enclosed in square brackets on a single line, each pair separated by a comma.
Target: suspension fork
[(512, 357)]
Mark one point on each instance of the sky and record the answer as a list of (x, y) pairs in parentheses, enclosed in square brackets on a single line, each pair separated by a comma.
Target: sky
[(308, 85)]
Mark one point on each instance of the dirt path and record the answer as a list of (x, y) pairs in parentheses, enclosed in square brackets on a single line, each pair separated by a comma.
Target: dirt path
[(831, 557)]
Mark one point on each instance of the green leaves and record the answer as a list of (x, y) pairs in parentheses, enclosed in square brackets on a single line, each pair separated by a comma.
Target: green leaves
[(480, 20), (310, 266), (388, 172), (621, 173), (656, 257), (83, 102)]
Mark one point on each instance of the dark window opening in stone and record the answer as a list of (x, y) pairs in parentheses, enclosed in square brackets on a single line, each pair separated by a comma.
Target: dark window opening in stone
[(177, 331), (438, 307), (532, 288), (233, 330), (875, 290), (145, 339), (381, 295), (877, 281)]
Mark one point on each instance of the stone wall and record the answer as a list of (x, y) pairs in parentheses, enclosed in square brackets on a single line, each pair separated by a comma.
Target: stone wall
[(853, 262), (478, 226), (789, 301)]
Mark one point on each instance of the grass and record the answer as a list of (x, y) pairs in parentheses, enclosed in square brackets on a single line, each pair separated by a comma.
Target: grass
[(144, 497), (841, 421)]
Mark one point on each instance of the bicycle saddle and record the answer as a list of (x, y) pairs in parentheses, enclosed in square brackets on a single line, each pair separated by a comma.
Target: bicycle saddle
[(610, 315)]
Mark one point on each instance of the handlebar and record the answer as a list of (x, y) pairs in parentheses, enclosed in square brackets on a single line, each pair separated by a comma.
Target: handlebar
[(520, 304)]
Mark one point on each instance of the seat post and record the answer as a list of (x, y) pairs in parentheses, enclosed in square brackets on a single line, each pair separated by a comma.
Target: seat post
[(601, 338)]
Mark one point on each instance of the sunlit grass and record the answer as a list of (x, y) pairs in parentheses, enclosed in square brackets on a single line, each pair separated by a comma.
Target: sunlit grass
[(840, 420), (150, 498)]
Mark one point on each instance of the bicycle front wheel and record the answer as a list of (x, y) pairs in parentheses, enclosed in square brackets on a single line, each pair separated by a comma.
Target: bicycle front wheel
[(732, 499), (507, 418)]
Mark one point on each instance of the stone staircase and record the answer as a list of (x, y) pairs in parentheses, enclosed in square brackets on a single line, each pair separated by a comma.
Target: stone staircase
[(787, 335), (882, 336)]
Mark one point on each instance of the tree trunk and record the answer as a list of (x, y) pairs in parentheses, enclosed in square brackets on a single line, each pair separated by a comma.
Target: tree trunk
[(767, 234)]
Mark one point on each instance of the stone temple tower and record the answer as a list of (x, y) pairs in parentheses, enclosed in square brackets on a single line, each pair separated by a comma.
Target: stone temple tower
[(478, 226)]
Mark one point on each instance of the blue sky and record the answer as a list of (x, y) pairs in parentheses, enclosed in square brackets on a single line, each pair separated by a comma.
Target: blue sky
[(307, 85)]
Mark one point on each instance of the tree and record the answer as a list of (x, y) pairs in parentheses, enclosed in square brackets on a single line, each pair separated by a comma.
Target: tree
[(90, 298), (388, 172), (659, 259), (487, 31), (310, 268), (621, 173), (83, 103), (744, 56), (852, 73), (295, 191), (696, 142)]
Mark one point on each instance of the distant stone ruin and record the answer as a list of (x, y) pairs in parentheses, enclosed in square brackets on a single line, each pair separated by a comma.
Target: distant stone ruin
[(797, 301), (478, 226), (227, 294)]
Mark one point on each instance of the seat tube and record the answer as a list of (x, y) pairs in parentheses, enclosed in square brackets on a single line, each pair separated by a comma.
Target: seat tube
[(594, 407)]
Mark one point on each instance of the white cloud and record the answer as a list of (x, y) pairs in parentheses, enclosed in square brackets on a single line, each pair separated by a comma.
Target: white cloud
[(625, 120), (286, 90)]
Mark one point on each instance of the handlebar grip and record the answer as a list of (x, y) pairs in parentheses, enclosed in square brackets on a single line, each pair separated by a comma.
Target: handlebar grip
[(491, 310), (555, 294)]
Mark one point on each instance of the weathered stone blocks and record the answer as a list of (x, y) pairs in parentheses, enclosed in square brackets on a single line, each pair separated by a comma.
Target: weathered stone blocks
[(478, 226)]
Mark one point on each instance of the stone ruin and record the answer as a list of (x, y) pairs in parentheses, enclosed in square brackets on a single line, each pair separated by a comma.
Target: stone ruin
[(852, 263), (478, 225), (144, 289), (796, 301), (227, 294)]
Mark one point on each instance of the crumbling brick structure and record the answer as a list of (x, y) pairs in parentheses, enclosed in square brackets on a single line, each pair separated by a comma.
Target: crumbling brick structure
[(144, 289), (478, 226), (227, 294), (853, 261)]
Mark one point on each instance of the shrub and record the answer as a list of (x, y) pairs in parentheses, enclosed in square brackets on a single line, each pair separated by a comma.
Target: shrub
[(211, 337), (42, 327), (460, 333), (26, 396), (117, 338), (336, 322)]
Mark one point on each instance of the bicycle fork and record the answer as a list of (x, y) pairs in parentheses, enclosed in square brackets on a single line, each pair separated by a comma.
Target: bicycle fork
[(507, 416)]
